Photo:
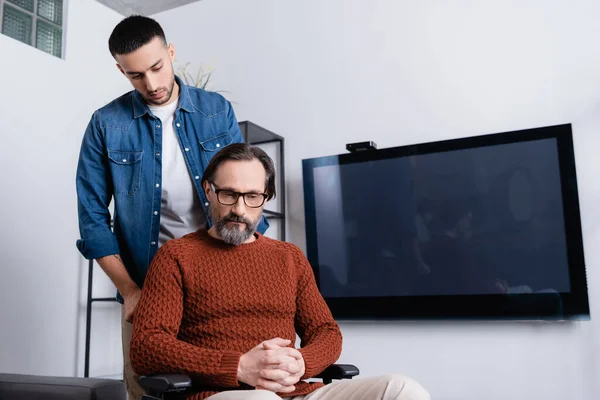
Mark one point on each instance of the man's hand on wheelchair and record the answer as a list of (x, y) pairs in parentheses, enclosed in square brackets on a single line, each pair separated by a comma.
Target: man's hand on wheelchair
[(272, 365)]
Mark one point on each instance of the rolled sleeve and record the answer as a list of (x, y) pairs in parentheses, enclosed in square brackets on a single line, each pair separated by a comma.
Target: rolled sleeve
[(98, 247)]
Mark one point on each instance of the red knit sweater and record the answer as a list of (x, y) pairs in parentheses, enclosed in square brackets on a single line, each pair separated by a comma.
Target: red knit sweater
[(205, 303)]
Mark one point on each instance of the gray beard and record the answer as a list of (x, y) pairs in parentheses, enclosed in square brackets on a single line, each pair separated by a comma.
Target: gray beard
[(234, 236)]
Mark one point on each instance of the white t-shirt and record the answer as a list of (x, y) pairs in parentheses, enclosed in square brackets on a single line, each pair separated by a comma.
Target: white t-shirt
[(181, 210)]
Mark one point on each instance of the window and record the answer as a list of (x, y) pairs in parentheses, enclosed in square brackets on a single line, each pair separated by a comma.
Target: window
[(38, 23)]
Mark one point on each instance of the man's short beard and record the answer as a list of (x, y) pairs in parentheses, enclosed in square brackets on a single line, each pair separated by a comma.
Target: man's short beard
[(167, 96), (234, 235)]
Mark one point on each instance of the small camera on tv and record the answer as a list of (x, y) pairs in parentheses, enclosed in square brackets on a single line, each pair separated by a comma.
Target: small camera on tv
[(361, 146)]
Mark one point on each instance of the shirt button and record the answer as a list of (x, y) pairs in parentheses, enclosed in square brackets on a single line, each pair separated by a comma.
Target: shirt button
[(155, 212), (157, 154), (157, 185), (158, 126), (196, 177), (218, 145), (187, 149), (178, 124), (152, 243), (206, 204), (124, 160)]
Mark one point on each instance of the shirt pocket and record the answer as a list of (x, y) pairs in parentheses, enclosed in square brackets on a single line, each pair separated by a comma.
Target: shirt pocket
[(211, 146), (126, 170)]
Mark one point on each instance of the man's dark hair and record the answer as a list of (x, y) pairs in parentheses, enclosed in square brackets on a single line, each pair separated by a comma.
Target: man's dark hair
[(243, 152), (132, 33)]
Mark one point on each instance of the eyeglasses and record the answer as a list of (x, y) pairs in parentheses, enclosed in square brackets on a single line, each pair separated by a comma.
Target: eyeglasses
[(229, 197)]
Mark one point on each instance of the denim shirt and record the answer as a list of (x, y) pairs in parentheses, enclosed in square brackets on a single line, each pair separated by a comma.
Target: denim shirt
[(120, 159)]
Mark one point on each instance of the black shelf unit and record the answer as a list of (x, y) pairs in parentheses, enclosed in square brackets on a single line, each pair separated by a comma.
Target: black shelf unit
[(88, 319), (257, 135), (253, 134)]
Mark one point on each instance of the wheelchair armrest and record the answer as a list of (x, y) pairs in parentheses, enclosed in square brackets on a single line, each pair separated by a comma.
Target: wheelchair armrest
[(338, 371), (163, 383)]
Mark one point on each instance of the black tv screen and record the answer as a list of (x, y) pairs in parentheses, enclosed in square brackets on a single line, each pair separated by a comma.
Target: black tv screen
[(480, 227)]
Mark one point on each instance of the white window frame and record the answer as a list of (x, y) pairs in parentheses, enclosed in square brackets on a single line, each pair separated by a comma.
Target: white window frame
[(35, 18)]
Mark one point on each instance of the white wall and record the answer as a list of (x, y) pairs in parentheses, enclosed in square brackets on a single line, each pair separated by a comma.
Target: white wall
[(45, 105), (325, 73)]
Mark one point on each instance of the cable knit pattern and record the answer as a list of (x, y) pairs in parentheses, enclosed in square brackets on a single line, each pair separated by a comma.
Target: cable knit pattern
[(205, 303)]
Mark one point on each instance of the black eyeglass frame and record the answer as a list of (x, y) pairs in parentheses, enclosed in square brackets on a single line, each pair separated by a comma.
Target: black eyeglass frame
[(216, 189)]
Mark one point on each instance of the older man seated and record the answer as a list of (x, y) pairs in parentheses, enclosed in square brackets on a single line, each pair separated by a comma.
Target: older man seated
[(224, 305)]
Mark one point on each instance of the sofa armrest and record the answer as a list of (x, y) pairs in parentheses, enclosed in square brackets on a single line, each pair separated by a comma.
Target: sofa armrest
[(35, 387), (162, 383), (338, 371)]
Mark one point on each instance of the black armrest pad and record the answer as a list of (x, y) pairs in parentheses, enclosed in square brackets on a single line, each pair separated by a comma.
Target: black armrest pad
[(35, 387), (339, 371), (165, 382)]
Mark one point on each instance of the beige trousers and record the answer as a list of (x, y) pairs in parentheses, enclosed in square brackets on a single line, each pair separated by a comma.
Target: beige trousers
[(387, 387), (134, 390)]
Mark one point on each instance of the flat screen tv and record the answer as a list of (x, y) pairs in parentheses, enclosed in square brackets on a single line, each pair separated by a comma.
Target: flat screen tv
[(479, 227)]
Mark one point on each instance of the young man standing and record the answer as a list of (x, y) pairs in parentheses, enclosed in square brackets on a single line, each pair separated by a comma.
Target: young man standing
[(146, 151), (229, 320)]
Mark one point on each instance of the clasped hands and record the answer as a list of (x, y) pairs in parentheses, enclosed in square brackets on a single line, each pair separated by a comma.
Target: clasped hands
[(273, 366)]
